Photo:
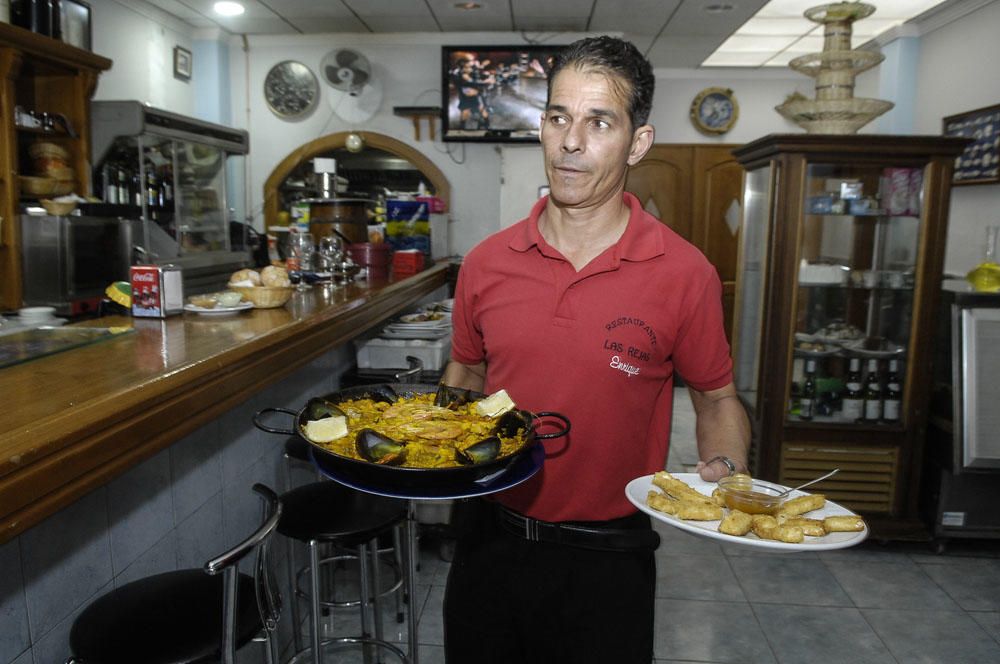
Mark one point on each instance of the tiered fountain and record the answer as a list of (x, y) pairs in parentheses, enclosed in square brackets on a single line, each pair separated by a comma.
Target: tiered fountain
[(835, 109)]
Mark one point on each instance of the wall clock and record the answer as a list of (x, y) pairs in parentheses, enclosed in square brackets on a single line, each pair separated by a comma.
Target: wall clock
[(291, 90), (714, 111)]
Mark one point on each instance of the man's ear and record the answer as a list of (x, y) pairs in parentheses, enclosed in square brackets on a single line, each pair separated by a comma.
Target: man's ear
[(642, 140)]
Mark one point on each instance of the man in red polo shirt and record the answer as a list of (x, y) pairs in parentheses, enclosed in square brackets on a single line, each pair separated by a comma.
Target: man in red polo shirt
[(588, 307)]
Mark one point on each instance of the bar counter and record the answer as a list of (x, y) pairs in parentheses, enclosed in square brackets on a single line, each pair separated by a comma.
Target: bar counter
[(72, 421)]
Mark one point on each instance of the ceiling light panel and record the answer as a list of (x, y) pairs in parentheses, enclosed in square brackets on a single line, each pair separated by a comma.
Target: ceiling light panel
[(782, 18)]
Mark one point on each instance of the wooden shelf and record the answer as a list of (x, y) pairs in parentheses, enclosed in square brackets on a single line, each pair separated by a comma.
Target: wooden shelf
[(41, 74)]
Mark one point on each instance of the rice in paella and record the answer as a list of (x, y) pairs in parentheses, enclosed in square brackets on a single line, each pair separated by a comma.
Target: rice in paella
[(415, 433)]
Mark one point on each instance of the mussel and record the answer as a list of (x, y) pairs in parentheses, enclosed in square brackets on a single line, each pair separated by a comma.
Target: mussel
[(452, 397), (380, 449), (382, 393), (317, 408), (485, 450), (512, 424)]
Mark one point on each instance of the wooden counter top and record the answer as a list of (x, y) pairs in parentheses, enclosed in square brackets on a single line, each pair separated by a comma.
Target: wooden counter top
[(72, 421)]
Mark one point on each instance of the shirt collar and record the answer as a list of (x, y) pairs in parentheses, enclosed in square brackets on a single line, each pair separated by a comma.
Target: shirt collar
[(639, 242)]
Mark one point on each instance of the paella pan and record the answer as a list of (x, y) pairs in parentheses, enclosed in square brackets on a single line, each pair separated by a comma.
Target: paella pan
[(415, 435)]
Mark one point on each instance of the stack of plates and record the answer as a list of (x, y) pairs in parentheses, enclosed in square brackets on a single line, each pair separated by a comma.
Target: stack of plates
[(423, 325)]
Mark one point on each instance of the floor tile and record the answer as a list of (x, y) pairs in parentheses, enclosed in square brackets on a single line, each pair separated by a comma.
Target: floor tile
[(781, 580), (824, 635), (697, 577), (890, 586), (988, 620), (973, 583), (933, 637), (691, 630), (14, 635)]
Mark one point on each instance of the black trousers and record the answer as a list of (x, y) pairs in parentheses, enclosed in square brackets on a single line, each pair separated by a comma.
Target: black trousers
[(511, 601)]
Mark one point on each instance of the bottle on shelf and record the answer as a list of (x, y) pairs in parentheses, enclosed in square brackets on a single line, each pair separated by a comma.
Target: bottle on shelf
[(152, 188), (109, 179), (893, 393), (122, 180), (807, 400), (873, 393), (854, 397), (137, 189)]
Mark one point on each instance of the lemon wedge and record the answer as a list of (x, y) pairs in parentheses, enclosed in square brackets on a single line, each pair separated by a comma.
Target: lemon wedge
[(326, 429), (494, 405)]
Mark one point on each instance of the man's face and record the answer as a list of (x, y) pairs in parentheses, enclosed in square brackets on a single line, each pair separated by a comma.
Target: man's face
[(587, 139)]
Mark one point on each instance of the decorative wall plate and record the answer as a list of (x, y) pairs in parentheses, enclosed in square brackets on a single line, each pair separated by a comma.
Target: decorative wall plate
[(291, 90), (714, 111)]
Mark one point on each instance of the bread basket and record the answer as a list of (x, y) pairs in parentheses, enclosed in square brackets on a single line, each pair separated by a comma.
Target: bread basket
[(36, 186), (58, 208), (264, 297)]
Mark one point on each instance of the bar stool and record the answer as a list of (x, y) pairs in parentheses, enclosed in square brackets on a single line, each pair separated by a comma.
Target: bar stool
[(327, 513), (187, 616), (297, 452)]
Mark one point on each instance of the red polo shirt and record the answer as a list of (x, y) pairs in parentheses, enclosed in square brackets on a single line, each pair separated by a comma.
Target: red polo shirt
[(600, 346)]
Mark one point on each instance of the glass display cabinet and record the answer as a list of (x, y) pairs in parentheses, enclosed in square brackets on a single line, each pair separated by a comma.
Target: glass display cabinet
[(178, 176), (840, 263)]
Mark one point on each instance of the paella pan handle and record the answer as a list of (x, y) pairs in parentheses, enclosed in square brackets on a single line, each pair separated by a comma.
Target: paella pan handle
[(258, 416), (555, 434)]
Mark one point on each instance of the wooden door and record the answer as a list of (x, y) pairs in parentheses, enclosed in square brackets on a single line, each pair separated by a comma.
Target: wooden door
[(662, 183), (696, 190), (716, 212)]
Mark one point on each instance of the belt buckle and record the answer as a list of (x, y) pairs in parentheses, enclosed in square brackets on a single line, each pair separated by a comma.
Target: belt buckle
[(530, 529)]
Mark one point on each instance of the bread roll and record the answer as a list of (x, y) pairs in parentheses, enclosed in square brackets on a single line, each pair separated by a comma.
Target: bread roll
[(245, 275), (274, 276)]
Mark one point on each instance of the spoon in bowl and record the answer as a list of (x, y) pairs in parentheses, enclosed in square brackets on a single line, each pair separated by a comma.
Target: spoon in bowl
[(818, 479)]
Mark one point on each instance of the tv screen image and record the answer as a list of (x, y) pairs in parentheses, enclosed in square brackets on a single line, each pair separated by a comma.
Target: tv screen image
[(494, 93)]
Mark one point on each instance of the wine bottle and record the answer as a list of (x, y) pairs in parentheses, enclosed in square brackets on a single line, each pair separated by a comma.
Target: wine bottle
[(873, 393), (854, 399), (807, 401), (893, 393)]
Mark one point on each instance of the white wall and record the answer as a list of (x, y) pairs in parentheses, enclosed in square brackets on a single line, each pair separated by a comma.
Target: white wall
[(140, 40), (958, 72)]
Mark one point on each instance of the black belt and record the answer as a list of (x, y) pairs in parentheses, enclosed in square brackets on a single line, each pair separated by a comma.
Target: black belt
[(573, 534)]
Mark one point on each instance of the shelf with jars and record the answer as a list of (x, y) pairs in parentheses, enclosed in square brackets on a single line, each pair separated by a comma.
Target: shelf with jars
[(841, 252)]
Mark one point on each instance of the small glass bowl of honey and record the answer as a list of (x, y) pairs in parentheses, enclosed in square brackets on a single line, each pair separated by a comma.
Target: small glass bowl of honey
[(752, 496)]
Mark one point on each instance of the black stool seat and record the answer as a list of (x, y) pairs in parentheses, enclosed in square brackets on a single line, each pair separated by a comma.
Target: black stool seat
[(327, 511), (298, 449), (170, 618)]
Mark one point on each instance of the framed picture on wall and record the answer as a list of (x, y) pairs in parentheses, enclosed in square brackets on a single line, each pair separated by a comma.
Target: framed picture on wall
[(182, 63), (74, 23), (980, 162)]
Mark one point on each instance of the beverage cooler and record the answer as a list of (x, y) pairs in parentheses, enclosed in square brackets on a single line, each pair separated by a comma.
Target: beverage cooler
[(177, 176), (962, 472)]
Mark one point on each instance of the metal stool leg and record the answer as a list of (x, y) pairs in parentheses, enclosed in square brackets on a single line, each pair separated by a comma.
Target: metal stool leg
[(314, 573), (411, 581), (397, 552), (294, 596)]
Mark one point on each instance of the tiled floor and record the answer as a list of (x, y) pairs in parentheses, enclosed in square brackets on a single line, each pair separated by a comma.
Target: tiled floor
[(878, 602)]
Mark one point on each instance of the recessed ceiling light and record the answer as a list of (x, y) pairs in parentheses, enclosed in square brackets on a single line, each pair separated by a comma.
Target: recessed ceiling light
[(228, 8), (719, 8), (468, 5)]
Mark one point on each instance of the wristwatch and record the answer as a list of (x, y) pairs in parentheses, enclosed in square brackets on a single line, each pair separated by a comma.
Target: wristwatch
[(729, 463)]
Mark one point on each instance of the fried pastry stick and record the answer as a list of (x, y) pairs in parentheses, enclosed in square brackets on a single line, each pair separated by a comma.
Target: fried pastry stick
[(802, 504), (810, 527), (843, 524), (736, 523), (677, 488), (684, 509), (766, 526)]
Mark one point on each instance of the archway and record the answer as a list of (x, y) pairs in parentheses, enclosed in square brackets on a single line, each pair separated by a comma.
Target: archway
[(326, 144)]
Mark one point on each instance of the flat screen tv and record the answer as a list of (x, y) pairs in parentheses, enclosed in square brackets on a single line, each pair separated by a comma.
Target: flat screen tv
[(494, 93)]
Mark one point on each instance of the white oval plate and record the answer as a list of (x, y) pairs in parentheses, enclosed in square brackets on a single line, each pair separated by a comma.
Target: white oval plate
[(637, 489), (218, 311)]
